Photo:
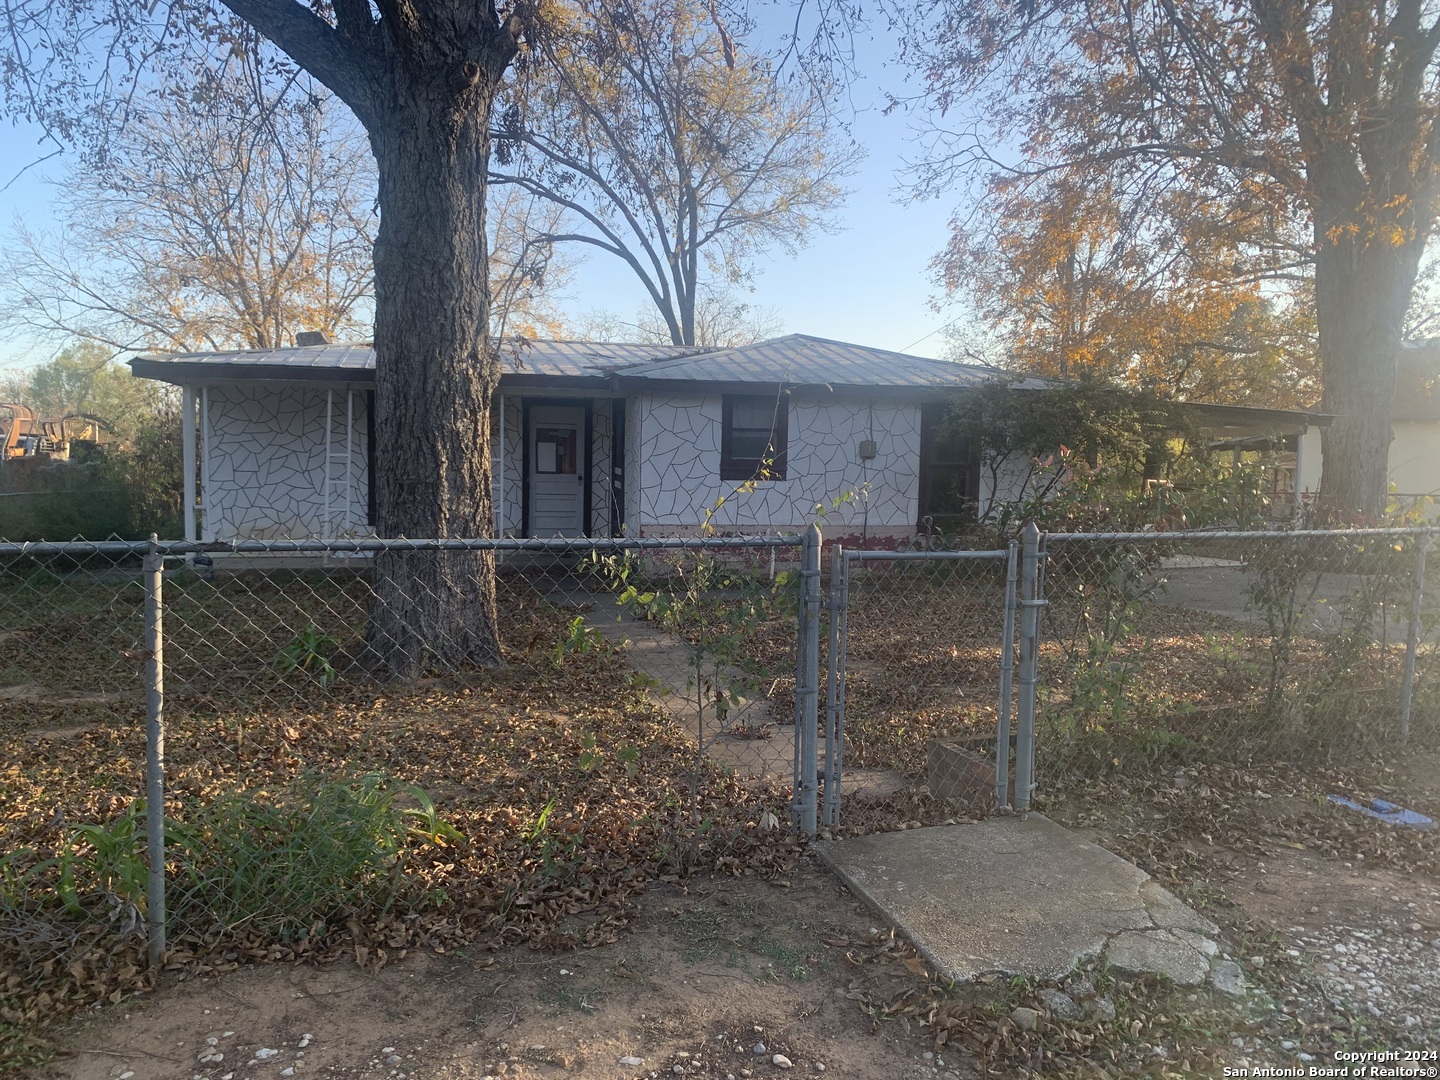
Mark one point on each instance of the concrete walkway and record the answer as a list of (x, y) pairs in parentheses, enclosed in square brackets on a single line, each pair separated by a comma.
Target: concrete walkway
[(669, 662), (1026, 898)]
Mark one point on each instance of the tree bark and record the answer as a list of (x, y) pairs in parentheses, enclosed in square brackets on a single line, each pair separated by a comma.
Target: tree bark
[(436, 369), (1363, 282)]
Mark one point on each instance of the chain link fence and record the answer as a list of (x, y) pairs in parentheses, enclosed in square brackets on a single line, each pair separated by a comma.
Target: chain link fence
[(641, 720), (919, 694), (1164, 650), (631, 726), (965, 680)]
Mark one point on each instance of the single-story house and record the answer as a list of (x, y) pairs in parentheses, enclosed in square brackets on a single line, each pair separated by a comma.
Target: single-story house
[(608, 439)]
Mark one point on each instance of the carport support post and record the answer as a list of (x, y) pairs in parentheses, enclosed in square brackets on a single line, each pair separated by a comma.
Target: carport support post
[(1029, 623), (1412, 640), (154, 756), (807, 683)]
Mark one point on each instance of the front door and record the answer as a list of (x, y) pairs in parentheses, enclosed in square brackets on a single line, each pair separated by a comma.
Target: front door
[(557, 471)]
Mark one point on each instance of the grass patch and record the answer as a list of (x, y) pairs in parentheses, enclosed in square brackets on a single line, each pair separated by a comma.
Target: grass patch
[(566, 994)]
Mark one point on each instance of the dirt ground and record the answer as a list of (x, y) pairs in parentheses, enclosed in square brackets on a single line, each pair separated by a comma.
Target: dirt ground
[(711, 972), (1335, 917), (716, 968)]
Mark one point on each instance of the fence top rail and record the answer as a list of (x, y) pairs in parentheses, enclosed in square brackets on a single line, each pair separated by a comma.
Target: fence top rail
[(1241, 534), (922, 556), (558, 545)]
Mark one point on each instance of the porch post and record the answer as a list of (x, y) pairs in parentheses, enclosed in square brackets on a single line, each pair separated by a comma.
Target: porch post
[(207, 527), (187, 456), (499, 468)]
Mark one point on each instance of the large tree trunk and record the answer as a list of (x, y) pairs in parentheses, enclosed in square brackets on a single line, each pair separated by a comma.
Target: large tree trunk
[(422, 78), (436, 372), (1363, 283)]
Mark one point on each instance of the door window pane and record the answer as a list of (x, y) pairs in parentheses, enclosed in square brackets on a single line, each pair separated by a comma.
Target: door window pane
[(555, 450)]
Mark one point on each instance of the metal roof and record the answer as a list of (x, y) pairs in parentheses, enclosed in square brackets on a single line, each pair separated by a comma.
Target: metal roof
[(518, 356), (793, 360), (796, 360), (803, 360)]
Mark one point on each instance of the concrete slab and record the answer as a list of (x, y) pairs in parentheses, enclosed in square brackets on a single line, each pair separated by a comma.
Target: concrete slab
[(1018, 897)]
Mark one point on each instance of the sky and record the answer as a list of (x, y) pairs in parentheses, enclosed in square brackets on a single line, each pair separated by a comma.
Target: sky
[(868, 282)]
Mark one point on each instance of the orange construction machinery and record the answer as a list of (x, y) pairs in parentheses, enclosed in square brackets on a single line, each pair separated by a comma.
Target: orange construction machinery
[(22, 435)]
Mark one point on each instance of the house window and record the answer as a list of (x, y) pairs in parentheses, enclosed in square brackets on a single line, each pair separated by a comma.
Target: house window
[(949, 470), (754, 432)]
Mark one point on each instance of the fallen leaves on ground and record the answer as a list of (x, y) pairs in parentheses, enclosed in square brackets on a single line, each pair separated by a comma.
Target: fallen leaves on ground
[(560, 827)]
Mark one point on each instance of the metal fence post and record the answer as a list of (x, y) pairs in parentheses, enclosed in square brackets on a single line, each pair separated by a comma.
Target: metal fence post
[(1412, 640), (1007, 676), (1030, 604), (807, 684), (830, 814), (155, 754), (842, 646)]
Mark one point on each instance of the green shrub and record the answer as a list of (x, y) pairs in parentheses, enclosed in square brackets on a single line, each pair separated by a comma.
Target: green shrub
[(286, 862), (283, 863)]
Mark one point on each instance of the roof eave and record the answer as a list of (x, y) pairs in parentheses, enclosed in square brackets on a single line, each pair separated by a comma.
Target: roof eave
[(179, 373)]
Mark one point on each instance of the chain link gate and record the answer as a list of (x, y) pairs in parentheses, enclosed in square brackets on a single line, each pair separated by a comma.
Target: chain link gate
[(921, 676)]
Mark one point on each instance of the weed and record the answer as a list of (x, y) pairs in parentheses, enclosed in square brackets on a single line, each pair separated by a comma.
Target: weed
[(309, 652), (791, 962), (317, 852), (579, 638), (284, 862), (562, 994), (21, 1053)]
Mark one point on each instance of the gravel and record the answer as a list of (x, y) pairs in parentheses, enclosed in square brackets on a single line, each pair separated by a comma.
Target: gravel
[(1391, 971)]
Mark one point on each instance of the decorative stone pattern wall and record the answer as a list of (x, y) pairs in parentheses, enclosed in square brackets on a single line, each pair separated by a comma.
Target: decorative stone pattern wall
[(679, 473), (267, 464), (634, 473), (601, 497), (267, 469), (1007, 485), (514, 466)]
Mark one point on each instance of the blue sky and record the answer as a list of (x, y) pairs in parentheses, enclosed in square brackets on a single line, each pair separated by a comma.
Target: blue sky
[(869, 282)]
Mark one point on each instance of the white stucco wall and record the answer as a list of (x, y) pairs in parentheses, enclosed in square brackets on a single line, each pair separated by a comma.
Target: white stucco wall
[(264, 462), (1415, 458), (1308, 462), (679, 466), (1005, 484)]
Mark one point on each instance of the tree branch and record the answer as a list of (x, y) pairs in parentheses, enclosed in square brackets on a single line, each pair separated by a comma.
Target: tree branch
[(317, 47)]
